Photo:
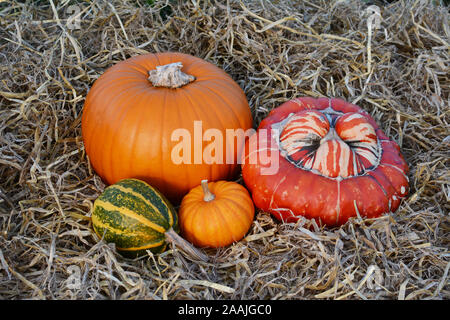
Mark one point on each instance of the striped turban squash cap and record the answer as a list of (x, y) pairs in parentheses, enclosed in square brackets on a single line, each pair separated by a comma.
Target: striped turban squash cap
[(328, 161)]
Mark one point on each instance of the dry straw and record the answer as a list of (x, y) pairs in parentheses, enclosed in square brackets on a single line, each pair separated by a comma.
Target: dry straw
[(51, 53)]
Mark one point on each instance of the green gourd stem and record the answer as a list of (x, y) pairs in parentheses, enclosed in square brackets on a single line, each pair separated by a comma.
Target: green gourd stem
[(176, 240)]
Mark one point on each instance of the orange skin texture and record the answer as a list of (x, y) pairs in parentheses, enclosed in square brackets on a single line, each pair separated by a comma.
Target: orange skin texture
[(219, 222), (294, 192), (127, 123)]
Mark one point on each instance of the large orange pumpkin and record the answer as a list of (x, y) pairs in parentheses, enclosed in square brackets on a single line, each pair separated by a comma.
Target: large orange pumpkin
[(145, 118)]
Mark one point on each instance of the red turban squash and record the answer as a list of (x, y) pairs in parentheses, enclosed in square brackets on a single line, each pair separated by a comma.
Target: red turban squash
[(333, 162)]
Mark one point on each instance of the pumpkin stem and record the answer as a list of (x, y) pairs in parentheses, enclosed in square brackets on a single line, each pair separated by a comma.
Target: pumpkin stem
[(209, 196), (169, 76), (176, 240)]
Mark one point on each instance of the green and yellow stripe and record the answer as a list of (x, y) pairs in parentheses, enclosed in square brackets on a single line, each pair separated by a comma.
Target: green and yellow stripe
[(133, 215)]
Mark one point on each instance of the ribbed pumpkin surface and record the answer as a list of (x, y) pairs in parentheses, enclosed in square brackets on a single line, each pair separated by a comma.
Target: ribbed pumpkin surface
[(134, 216)]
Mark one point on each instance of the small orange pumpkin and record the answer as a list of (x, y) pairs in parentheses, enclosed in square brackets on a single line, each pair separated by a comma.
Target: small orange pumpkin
[(216, 214)]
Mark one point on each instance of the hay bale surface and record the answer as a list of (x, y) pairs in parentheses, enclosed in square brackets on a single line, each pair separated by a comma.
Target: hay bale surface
[(276, 50)]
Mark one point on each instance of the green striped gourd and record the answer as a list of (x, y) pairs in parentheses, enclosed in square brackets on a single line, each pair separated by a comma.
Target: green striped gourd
[(135, 216)]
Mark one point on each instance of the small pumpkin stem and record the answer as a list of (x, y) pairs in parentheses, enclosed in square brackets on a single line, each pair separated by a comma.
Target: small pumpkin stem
[(209, 196), (169, 76), (175, 239)]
